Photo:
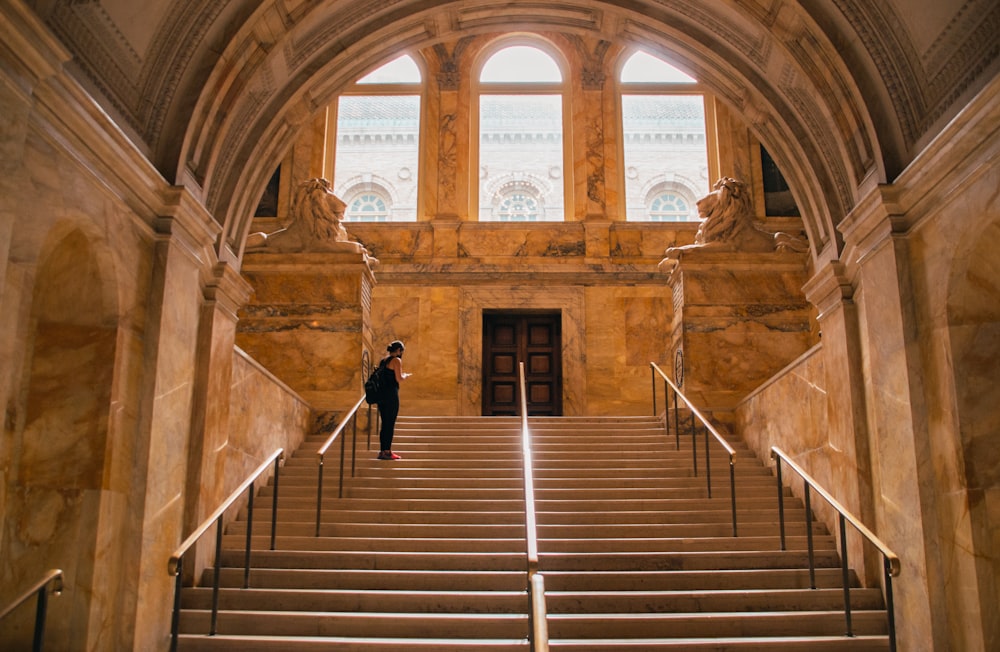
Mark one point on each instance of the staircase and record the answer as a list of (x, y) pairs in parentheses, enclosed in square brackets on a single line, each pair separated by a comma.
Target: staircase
[(428, 552)]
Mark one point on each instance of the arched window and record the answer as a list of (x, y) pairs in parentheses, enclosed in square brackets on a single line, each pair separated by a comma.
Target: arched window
[(520, 117), (669, 207), (664, 134), (378, 136), (518, 202), (367, 207)]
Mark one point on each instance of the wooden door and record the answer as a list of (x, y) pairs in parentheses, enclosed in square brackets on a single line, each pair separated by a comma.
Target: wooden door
[(530, 337)]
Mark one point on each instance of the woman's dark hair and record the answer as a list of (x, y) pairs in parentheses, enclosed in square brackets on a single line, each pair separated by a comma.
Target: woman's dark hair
[(395, 345)]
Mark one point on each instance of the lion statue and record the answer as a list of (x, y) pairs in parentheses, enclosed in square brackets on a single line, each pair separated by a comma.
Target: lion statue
[(317, 224), (728, 224)]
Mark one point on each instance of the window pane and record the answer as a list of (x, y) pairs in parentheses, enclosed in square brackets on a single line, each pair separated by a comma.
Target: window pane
[(644, 68), (520, 157), (377, 145), (665, 148), (401, 70), (520, 63)]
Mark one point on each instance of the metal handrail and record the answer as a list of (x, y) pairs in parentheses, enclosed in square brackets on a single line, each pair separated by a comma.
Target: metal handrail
[(175, 566), (53, 576), (536, 581), (890, 562), (352, 416), (668, 386)]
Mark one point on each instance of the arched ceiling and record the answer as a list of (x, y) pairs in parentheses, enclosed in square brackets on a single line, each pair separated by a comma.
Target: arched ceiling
[(843, 93)]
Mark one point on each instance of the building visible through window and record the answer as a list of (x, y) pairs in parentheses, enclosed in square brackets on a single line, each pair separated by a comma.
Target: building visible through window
[(378, 144), (665, 141), (521, 136)]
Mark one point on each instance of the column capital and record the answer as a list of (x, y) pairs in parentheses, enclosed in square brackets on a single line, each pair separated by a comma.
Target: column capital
[(227, 289), (829, 288), (870, 225)]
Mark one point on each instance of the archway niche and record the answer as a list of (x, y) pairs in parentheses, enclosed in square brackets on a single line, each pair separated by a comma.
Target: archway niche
[(60, 484)]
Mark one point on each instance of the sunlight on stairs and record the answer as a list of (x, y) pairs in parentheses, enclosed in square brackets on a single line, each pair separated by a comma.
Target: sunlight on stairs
[(428, 552)]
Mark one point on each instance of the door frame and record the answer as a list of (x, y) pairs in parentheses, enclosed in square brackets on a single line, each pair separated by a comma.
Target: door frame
[(553, 317), (569, 300)]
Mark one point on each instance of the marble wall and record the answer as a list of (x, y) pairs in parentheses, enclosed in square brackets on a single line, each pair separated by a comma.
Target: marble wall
[(435, 281)]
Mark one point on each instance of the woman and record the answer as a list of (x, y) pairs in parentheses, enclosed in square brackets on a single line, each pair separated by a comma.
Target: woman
[(388, 406)]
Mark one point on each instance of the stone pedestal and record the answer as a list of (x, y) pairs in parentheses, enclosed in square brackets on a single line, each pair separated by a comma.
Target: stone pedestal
[(737, 322), (309, 322)]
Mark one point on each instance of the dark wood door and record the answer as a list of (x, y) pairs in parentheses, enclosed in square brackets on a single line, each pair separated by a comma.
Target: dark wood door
[(530, 337)]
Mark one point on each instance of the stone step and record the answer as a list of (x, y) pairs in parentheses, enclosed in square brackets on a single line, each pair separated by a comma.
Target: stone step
[(751, 534), (705, 625), (718, 505), (306, 513), (374, 579), (458, 599), (246, 643), (224, 643), (429, 551), (507, 626), (442, 542), (514, 580)]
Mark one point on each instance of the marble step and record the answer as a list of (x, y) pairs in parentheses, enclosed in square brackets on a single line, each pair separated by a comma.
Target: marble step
[(338, 512), (721, 624), (223, 643), (777, 579), (749, 534), (504, 561), (509, 626), (443, 542)]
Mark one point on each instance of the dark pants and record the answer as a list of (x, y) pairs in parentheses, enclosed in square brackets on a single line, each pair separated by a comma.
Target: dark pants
[(388, 410)]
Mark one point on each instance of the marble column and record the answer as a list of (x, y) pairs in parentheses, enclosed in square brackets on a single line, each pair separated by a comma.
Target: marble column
[(875, 257), (225, 292), (309, 322), (183, 255), (736, 321), (843, 462)]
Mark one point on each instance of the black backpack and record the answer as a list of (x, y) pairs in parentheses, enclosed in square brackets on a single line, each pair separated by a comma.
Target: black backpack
[(374, 385)]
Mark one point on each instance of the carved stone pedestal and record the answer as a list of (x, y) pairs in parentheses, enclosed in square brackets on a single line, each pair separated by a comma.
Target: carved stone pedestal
[(308, 322), (736, 321)]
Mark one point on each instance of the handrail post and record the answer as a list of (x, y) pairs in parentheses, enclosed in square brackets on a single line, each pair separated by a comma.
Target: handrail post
[(246, 556), (708, 465), (694, 444), (175, 618), (809, 538), (677, 422), (845, 575), (40, 610), (274, 502), (319, 493), (652, 373), (343, 452), (354, 444), (215, 581), (889, 606), (781, 501), (732, 488)]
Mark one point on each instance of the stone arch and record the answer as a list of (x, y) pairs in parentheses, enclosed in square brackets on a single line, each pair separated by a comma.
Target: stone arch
[(59, 489), (974, 337), (813, 119)]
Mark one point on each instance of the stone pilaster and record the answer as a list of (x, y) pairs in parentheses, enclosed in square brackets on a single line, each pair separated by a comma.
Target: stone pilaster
[(847, 460), (183, 255), (876, 260), (225, 293)]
